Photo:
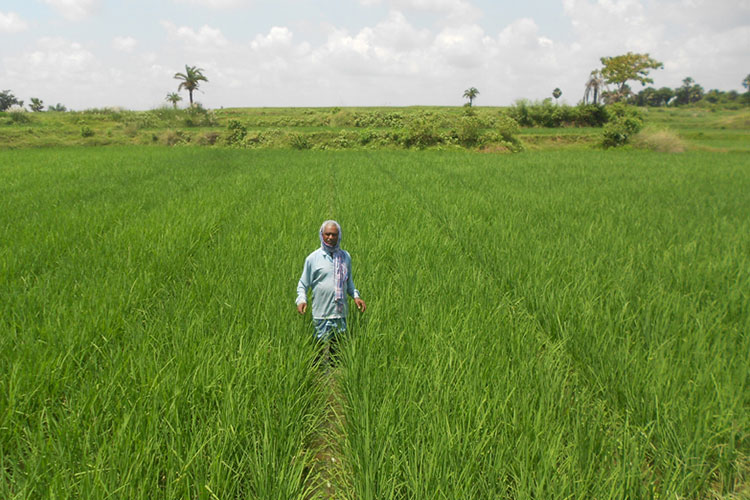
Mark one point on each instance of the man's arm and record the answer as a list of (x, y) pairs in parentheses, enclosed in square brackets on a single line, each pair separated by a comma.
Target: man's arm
[(353, 292), (302, 286)]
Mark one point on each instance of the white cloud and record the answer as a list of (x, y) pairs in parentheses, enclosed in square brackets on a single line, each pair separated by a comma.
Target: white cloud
[(523, 33), (11, 23), (708, 15), (614, 25), (53, 61), (452, 11), (463, 47), (217, 4), (124, 43), (711, 59), (206, 38), (396, 32), (277, 37), (73, 10), (391, 47)]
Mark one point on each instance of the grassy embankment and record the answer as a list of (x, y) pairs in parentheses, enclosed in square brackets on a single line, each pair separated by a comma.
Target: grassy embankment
[(348, 128), (552, 325)]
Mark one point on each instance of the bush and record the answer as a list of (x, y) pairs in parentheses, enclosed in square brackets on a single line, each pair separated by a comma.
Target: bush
[(254, 140), (520, 113), (547, 114), (175, 138), (624, 122), (198, 116), (237, 133), (17, 114), (421, 132), (590, 115), (342, 118), (299, 141), (469, 130), (208, 139), (505, 132), (86, 131), (660, 140)]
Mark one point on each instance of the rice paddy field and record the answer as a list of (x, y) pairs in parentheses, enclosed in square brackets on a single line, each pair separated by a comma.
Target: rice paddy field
[(550, 325)]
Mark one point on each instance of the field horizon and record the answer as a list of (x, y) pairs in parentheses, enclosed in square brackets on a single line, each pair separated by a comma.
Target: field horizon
[(480, 128)]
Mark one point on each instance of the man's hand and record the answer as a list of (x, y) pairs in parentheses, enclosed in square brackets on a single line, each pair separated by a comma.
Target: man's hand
[(302, 307), (360, 304)]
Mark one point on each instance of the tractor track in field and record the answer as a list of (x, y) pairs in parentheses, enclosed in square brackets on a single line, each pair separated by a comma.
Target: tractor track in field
[(324, 475), (325, 472)]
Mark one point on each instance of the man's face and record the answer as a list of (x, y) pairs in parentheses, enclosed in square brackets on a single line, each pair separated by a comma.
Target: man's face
[(331, 235)]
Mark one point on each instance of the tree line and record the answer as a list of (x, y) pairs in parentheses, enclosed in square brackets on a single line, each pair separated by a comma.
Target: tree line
[(606, 85), (609, 84)]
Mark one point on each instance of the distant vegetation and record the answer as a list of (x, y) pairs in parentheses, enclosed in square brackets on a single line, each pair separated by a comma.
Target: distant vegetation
[(491, 128), (526, 125)]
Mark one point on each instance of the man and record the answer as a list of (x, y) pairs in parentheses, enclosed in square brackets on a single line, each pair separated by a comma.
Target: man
[(328, 272)]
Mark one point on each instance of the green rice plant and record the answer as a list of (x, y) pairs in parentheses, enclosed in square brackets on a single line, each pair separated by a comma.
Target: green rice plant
[(546, 325)]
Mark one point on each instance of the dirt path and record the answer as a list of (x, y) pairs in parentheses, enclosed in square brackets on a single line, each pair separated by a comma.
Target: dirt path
[(326, 469)]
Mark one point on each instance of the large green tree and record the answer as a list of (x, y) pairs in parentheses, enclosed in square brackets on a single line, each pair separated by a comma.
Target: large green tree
[(7, 99), (618, 70), (191, 79), (689, 93), (471, 94)]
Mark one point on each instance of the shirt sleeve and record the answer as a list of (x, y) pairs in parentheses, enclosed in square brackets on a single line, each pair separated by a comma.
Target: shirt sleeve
[(350, 281), (304, 282)]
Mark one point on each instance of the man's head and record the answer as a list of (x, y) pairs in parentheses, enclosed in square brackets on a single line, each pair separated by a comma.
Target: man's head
[(330, 234)]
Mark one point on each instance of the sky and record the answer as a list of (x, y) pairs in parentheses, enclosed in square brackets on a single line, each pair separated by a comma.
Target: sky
[(109, 53)]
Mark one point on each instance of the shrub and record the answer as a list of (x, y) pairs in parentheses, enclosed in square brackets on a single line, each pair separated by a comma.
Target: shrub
[(253, 140), (366, 136), (591, 115), (507, 128), (86, 131), (345, 139), (421, 132), (660, 140), (504, 133), (237, 133), (342, 118), (198, 116), (175, 137), (18, 114), (208, 139), (520, 113), (299, 141), (624, 122), (469, 130)]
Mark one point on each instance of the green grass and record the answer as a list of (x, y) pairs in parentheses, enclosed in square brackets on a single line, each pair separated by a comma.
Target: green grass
[(545, 325)]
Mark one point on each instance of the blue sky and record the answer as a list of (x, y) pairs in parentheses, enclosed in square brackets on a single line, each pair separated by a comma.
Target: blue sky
[(96, 53)]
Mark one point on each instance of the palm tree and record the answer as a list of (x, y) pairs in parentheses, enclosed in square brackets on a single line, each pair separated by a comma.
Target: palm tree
[(594, 87), (36, 104), (556, 94), (191, 78), (174, 98), (471, 94)]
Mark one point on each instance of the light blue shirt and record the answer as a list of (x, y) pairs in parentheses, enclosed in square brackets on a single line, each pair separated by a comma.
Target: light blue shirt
[(318, 274)]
